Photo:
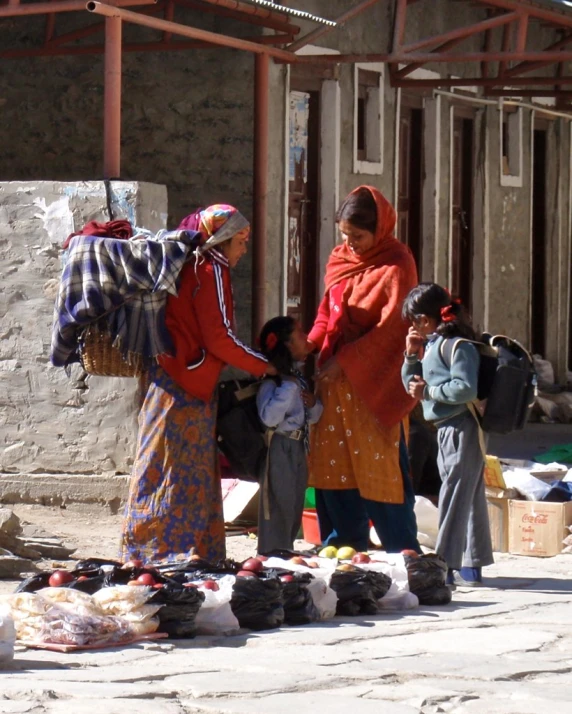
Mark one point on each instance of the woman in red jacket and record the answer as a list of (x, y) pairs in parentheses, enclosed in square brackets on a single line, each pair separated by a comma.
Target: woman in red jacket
[(175, 504)]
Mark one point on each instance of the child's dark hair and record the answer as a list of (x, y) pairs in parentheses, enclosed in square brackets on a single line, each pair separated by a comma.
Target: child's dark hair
[(273, 337), (359, 209), (434, 301)]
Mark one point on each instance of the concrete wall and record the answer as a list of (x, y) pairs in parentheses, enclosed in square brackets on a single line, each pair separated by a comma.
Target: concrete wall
[(46, 425)]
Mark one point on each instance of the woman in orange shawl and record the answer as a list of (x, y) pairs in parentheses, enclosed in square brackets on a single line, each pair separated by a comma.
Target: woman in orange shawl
[(358, 460)]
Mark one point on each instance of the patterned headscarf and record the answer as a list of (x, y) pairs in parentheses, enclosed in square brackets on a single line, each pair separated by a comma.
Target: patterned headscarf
[(216, 224)]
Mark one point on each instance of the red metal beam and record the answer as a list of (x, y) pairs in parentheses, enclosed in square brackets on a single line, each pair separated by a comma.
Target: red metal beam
[(462, 33), (186, 31), (533, 11), (404, 71), (506, 40), (399, 24), (480, 82), (523, 67), (321, 31), (112, 99), (44, 8), (169, 15), (428, 57), (160, 46), (280, 25)]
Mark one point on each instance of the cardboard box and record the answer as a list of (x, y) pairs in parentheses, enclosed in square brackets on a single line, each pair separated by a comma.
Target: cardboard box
[(538, 528), (498, 520)]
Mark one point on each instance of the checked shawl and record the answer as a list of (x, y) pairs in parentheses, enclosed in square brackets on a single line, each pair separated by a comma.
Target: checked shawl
[(129, 278)]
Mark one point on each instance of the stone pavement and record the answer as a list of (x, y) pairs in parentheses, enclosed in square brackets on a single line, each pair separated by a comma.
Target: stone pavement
[(503, 649)]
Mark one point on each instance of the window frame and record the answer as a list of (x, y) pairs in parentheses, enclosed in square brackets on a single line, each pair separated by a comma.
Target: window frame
[(514, 134), (373, 117)]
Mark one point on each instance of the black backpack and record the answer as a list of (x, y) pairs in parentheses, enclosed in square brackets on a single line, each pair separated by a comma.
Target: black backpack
[(240, 433), (506, 383)]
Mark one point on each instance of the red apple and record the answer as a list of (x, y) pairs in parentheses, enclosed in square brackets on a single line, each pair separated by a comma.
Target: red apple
[(246, 574), (297, 560), (59, 578), (158, 586), (146, 579), (361, 558), (82, 578), (410, 553), (133, 582), (210, 585), (253, 564), (190, 585), (262, 557), (132, 564), (287, 578)]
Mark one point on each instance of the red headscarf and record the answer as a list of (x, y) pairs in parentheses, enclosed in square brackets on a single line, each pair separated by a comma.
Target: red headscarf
[(373, 332), (344, 263)]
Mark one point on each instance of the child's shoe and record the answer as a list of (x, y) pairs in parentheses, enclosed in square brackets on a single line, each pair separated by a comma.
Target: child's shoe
[(472, 577)]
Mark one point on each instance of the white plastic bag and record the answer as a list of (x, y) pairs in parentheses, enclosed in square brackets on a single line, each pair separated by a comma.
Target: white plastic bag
[(215, 616), (532, 488), (398, 600), (325, 599), (427, 516), (7, 637)]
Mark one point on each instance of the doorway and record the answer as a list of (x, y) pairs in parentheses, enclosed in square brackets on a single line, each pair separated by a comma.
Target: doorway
[(461, 265), (303, 208), (411, 173), (538, 263)]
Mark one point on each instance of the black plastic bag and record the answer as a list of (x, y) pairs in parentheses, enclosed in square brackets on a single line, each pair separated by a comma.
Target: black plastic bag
[(358, 591), (299, 608), (427, 577), (240, 433), (34, 583), (180, 607), (257, 603)]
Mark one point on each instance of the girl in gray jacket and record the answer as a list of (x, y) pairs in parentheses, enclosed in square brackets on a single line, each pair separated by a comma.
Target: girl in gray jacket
[(445, 376)]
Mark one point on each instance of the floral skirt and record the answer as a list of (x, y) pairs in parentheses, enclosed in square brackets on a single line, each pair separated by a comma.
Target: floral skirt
[(175, 504), (351, 449)]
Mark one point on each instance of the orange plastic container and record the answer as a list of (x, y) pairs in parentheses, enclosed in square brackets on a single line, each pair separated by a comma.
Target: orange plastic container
[(310, 526)]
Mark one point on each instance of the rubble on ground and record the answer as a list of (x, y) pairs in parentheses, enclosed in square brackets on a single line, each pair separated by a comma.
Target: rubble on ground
[(22, 546)]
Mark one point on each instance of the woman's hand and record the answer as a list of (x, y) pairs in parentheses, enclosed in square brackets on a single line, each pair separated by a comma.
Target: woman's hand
[(330, 371), (271, 370), (308, 398), (417, 387), (414, 342)]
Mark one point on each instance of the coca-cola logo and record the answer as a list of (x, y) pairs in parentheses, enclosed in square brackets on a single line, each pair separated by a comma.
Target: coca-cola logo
[(537, 518)]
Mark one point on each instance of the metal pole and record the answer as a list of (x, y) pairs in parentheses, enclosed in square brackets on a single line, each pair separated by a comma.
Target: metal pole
[(261, 85), (321, 31), (112, 99), (44, 8)]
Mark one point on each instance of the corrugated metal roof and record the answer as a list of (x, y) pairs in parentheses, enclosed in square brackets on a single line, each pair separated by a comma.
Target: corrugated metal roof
[(291, 11)]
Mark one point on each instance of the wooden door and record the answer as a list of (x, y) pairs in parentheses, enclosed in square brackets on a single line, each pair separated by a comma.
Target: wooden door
[(410, 189), (302, 249), (462, 210), (538, 267)]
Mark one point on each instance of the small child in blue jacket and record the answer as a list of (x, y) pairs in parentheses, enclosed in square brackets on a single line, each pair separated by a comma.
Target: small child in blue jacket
[(287, 406), (445, 378)]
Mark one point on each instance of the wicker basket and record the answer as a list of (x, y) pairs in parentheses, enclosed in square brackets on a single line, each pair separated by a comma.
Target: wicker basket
[(100, 358)]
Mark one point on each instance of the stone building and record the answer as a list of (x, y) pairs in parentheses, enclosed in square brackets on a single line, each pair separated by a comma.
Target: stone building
[(474, 149)]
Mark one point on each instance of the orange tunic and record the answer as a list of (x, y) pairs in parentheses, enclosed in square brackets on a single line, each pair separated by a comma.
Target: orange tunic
[(359, 322)]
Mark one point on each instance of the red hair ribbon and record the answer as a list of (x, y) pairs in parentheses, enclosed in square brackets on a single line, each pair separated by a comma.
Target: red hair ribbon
[(271, 341), (447, 313)]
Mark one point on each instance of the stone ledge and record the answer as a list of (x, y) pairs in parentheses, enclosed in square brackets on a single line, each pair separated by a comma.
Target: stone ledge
[(59, 489)]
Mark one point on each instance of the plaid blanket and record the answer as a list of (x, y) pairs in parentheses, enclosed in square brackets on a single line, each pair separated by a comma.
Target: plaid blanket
[(135, 277)]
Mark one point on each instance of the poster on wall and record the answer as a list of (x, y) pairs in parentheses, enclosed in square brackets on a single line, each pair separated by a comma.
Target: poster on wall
[(299, 110)]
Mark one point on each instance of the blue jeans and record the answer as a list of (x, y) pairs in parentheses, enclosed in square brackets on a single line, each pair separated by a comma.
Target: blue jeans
[(344, 516)]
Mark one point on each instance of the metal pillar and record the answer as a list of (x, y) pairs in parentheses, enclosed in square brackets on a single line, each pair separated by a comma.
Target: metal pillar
[(112, 99)]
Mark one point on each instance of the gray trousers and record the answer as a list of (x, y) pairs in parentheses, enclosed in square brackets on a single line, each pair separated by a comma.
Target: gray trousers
[(282, 494), (464, 533)]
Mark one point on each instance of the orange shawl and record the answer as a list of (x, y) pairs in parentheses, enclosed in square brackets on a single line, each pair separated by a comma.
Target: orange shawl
[(373, 332)]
